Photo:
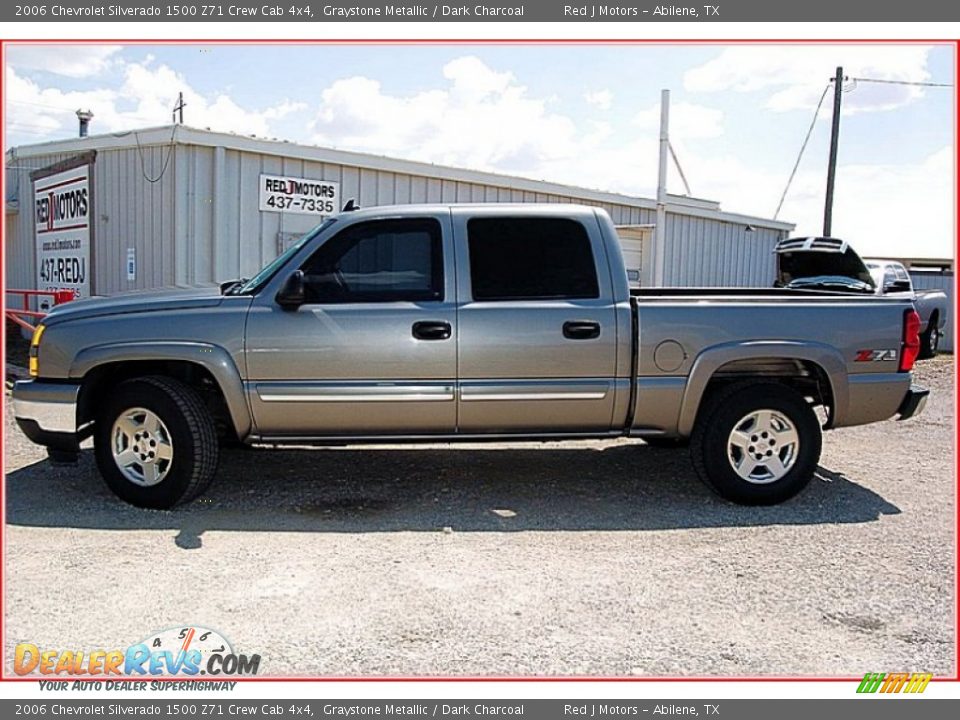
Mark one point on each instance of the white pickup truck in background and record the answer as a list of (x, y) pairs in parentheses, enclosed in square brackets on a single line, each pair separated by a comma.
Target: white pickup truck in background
[(892, 278)]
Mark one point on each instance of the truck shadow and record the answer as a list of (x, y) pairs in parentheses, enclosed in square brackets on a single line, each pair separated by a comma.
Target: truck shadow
[(626, 486)]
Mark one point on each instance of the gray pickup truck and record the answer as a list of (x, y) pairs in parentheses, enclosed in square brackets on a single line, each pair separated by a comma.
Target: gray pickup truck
[(445, 323)]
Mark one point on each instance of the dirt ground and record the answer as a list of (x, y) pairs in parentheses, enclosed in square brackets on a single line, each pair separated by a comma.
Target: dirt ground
[(575, 558)]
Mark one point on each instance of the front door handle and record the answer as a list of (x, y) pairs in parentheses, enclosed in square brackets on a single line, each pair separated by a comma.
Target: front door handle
[(581, 330), (431, 330)]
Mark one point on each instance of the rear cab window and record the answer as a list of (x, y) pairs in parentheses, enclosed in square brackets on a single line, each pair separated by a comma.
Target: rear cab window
[(530, 258)]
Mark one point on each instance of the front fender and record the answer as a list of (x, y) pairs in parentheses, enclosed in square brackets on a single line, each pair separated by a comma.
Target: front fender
[(215, 359), (713, 358)]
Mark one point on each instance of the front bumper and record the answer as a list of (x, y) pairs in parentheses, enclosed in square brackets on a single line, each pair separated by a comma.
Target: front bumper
[(913, 403), (47, 413)]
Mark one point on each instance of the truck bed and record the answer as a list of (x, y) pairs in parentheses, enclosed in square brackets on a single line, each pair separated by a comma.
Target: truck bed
[(738, 292)]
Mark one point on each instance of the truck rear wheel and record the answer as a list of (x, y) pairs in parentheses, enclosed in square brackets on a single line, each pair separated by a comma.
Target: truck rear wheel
[(155, 442), (756, 443), (929, 341)]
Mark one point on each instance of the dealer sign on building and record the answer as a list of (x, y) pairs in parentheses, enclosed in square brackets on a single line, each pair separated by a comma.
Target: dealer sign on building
[(62, 206), (299, 195)]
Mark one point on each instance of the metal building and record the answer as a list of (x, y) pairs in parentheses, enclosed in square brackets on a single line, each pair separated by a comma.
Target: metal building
[(178, 206)]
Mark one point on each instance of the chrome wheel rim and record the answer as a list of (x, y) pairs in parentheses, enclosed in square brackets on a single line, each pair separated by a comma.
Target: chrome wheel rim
[(141, 447), (763, 446)]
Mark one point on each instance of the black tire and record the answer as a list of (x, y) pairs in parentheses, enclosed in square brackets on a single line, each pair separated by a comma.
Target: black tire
[(666, 443), (929, 341), (711, 441), (192, 435)]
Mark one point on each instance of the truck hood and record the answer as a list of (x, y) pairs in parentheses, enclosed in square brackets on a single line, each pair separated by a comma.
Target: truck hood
[(830, 263), (134, 302)]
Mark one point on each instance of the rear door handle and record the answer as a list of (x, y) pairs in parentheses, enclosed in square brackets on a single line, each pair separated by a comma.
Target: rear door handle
[(431, 330), (581, 330)]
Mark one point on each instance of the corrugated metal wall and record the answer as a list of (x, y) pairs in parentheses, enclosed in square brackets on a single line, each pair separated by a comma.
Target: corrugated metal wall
[(133, 212), (712, 253), (198, 222), (939, 281)]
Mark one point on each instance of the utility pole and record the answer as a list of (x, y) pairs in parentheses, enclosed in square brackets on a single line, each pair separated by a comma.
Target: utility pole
[(178, 108), (832, 166), (660, 229)]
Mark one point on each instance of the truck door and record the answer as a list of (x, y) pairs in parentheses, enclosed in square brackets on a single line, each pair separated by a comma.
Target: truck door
[(537, 324), (373, 348)]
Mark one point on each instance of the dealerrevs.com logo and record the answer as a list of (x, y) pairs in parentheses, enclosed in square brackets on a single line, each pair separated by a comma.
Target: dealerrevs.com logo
[(894, 682), (182, 651)]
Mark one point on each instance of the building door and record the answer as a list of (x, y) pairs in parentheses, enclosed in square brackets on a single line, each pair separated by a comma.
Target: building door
[(636, 245)]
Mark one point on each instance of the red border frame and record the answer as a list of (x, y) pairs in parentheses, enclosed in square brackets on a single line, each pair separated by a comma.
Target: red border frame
[(473, 41)]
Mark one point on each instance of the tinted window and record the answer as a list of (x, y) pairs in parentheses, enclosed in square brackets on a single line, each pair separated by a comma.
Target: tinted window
[(530, 259), (381, 261)]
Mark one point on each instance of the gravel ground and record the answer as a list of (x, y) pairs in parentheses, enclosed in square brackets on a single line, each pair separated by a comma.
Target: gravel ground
[(576, 558)]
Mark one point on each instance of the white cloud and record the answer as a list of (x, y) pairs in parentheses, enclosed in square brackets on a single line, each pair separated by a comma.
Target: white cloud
[(796, 75), (38, 112), (602, 99), (688, 121), (481, 119), (870, 208), (898, 210), (76, 61), (283, 109), (146, 97)]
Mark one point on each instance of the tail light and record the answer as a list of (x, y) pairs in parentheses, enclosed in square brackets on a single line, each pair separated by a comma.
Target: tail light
[(910, 343)]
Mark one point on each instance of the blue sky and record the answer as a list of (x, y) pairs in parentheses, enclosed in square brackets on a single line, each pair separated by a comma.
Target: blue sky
[(584, 115)]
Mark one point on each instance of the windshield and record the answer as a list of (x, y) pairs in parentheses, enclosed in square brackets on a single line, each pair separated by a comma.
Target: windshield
[(831, 281), (262, 277)]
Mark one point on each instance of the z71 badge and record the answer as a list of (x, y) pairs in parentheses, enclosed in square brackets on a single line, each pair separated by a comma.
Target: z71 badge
[(876, 355)]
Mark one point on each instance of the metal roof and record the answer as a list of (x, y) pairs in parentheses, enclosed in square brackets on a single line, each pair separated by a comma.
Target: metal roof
[(185, 135)]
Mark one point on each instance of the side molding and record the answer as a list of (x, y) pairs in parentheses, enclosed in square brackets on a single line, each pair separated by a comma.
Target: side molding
[(713, 358), (213, 358)]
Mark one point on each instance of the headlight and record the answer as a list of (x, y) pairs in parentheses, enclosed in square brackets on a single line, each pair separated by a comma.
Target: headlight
[(35, 350)]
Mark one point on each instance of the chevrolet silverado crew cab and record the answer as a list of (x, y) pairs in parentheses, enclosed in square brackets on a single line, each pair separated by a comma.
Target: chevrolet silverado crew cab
[(459, 322)]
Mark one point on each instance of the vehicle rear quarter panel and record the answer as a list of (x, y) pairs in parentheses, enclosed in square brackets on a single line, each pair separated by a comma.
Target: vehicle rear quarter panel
[(829, 331)]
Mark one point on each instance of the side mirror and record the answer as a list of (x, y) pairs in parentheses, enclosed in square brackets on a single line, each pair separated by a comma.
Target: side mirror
[(292, 294)]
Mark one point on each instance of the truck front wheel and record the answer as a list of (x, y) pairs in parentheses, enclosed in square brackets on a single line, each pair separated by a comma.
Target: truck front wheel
[(155, 442), (756, 443)]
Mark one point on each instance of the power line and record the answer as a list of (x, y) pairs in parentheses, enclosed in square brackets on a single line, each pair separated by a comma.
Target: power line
[(676, 162), (43, 105), (31, 129), (64, 109), (901, 82), (803, 147), (166, 160), (22, 123)]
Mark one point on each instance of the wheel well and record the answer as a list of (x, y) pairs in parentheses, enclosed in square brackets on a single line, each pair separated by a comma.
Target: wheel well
[(805, 376), (934, 320), (101, 379)]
